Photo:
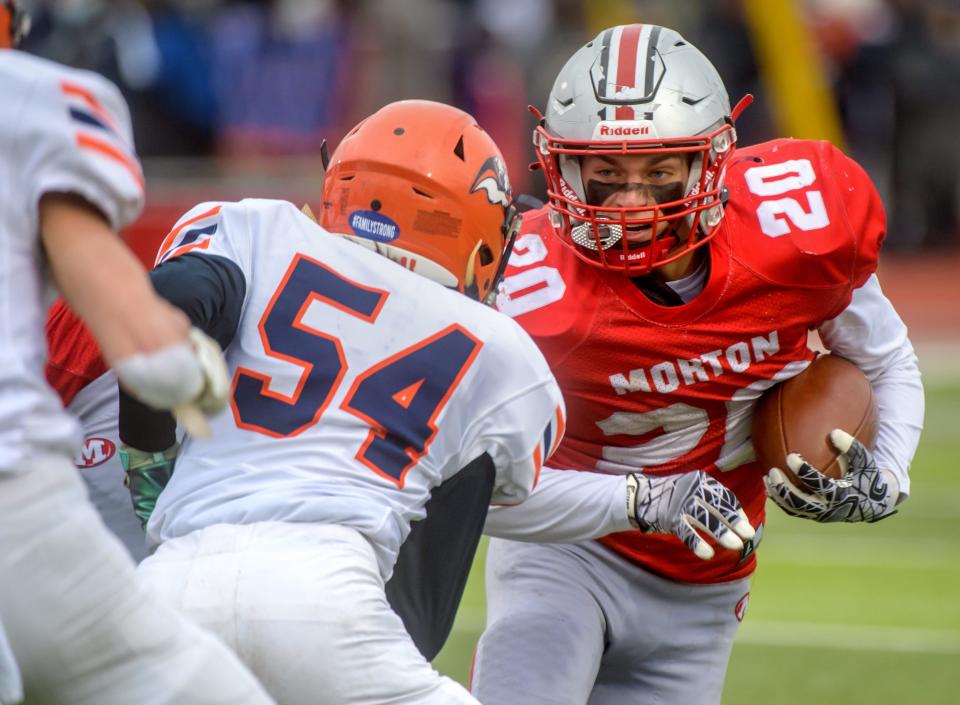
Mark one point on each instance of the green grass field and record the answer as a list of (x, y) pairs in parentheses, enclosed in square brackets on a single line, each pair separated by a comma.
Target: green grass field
[(845, 614)]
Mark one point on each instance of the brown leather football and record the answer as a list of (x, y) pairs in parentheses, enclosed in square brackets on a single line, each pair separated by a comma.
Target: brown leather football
[(796, 416)]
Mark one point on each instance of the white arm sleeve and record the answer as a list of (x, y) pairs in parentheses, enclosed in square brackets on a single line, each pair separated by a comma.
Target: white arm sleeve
[(567, 506), (870, 333), (521, 431)]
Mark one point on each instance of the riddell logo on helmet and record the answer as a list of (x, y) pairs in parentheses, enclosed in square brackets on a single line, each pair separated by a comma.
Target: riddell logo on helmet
[(622, 128)]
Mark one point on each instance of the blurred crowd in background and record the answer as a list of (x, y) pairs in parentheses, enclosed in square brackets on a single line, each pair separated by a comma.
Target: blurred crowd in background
[(223, 87)]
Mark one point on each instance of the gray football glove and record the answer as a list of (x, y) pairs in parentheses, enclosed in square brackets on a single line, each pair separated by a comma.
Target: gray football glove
[(681, 504), (864, 493), (189, 378)]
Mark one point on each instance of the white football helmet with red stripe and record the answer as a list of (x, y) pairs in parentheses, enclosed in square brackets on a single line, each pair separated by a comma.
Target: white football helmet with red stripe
[(636, 89)]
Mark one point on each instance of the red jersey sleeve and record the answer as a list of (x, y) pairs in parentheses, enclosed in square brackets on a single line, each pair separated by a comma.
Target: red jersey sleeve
[(535, 289), (74, 358), (803, 214), (865, 215)]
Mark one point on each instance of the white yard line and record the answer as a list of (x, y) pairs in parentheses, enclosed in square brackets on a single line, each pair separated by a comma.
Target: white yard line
[(857, 552), (849, 637), (840, 637)]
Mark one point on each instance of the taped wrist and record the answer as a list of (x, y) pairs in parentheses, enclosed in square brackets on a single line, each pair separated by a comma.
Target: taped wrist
[(145, 475), (163, 378)]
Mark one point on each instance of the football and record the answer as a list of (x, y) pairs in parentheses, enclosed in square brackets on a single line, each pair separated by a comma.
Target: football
[(797, 415)]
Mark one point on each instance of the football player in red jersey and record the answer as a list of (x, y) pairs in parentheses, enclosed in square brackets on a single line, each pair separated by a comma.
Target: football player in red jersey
[(671, 279)]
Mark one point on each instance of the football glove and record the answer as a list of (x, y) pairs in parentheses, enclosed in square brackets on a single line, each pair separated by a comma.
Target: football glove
[(864, 492), (189, 378), (145, 474), (682, 504)]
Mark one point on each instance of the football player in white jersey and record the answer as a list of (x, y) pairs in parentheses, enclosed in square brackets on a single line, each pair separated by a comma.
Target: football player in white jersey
[(76, 623), (360, 385)]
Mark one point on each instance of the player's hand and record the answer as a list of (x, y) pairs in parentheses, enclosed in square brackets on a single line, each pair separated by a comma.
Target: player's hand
[(189, 378), (145, 475), (864, 493), (682, 504), (212, 397)]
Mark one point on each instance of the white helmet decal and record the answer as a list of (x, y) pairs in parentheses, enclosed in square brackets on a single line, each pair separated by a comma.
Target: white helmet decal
[(493, 180)]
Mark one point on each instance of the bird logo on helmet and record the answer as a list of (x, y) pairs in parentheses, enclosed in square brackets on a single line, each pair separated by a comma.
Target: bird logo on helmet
[(422, 184), (637, 90), (492, 179)]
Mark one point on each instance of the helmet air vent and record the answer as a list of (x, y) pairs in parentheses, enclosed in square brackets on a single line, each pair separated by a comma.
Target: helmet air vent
[(458, 150), (486, 255)]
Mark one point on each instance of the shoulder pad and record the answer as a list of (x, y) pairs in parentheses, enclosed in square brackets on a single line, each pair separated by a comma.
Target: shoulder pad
[(800, 212)]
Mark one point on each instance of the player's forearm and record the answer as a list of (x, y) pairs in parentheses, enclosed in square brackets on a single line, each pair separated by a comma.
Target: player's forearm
[(565, 507), (871, 334), (900, 411), (103, 282)]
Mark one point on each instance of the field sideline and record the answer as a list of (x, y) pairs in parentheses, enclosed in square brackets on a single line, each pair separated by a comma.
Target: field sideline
[(858, 615)]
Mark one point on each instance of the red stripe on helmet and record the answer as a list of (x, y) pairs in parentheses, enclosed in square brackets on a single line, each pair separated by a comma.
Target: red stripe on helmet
[(627, 66)]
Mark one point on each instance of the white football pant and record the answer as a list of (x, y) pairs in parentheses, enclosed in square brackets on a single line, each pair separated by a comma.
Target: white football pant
[(304, 606), (11, 687), (81, 628)]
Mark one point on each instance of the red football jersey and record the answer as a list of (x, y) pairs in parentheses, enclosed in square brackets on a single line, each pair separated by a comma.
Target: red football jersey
[(73, 359), (672, 389)]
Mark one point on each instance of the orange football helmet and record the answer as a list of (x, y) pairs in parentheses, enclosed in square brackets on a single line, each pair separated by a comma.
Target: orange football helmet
[(422, 184), (14, 24)]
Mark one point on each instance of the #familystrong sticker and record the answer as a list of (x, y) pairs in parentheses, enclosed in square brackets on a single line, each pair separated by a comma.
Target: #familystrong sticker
[(374, 226)]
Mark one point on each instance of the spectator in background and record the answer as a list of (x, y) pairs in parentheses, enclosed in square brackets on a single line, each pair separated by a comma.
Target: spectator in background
[(281, 74), (155, 51), (925, 69), (277, 76), (488, 77), (893, 61)]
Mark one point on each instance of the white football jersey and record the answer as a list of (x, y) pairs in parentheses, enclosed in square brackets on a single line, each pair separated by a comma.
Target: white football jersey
[(358, 386), (61, 130)]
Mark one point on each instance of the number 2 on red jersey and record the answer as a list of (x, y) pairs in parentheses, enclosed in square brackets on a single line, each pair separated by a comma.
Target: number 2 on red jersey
[(399, 397)]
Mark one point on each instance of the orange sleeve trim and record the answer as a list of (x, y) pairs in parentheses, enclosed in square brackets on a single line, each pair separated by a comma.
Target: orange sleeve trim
[(561, 427), (202, 245), (111, 152), (537, 464), (172, 235)]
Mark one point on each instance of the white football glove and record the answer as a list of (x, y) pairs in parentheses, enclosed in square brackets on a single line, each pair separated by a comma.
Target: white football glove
[(681, 504), (189, 378), (864, 493)]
